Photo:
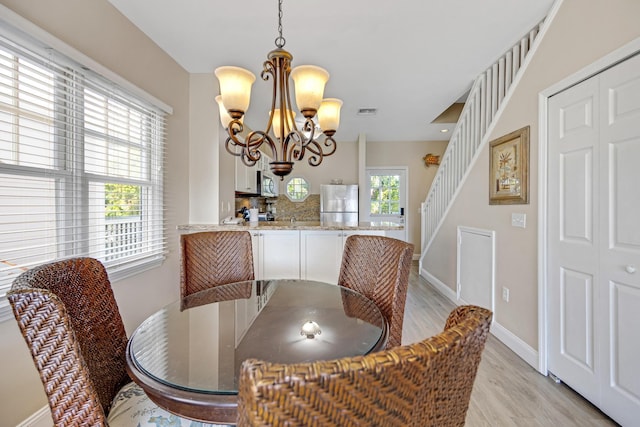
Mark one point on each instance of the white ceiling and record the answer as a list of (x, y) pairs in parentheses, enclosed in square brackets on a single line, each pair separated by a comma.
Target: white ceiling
[(410, 59)]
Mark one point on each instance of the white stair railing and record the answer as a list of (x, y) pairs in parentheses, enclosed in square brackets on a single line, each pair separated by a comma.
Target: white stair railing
[(481, 106)]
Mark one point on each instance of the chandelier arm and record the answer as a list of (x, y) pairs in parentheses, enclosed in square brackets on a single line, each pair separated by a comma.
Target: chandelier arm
[(234, 128), (331, 144), (310, 127), (294, 151), (272, 146), (231, 143), (252, 143), (294, 145), (317, 150), (316, 153), (287, 94), (282, 71), (269, 70), (250, 153)]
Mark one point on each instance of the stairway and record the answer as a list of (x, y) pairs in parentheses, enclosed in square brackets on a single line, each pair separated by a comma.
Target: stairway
[(482, 106)]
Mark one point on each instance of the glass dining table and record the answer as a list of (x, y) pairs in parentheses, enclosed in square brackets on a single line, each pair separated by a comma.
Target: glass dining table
[(187, 355)]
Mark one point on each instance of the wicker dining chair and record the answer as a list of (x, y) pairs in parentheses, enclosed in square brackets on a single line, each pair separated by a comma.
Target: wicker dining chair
[(213, 258), (378, 267), (424, 384), (68, 316)]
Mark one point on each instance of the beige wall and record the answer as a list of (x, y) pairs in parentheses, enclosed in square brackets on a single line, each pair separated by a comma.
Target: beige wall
[(99, 31), (409, 154), (211, 189), (343, 164), (581, 33)]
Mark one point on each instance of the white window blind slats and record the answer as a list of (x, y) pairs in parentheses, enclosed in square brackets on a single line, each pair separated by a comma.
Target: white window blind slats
[(81, 166)]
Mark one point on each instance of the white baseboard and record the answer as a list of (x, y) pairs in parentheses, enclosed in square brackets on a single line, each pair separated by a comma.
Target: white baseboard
[(40, 418), (519, 347), (440, 286)]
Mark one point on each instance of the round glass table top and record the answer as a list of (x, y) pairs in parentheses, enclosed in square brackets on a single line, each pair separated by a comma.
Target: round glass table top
[(198, 343)]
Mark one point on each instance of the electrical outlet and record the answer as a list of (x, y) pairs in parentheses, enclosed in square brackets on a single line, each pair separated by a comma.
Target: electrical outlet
[(505, 294)]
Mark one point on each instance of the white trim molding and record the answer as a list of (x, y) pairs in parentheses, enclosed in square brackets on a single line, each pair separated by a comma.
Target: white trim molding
[(515, 344), (440, 286), (40, 418)]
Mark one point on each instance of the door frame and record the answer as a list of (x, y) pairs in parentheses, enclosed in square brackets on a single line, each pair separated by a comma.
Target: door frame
[(405, 170), (626, 51)]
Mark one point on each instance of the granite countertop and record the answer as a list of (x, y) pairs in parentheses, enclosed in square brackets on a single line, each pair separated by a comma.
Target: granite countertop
[(296, 225)]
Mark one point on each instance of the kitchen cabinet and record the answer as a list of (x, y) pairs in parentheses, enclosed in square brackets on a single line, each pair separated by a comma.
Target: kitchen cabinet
[(246, 177), (276, 254), (304, 254), (264, 163), (321, 252)]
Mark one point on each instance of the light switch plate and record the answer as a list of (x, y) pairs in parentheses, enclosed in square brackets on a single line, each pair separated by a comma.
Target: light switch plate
[(519, 220)]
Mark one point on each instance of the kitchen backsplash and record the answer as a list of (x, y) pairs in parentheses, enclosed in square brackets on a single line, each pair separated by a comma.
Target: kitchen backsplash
[(285, 209)]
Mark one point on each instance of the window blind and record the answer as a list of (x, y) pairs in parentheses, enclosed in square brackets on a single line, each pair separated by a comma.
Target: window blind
[(81, 167)]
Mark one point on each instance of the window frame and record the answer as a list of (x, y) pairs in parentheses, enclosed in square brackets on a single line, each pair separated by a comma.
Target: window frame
[(43, 46), (304, 183)]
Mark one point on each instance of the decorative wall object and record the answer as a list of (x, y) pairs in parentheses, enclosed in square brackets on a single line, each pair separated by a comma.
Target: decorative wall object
[(509, 169), (431, 159)]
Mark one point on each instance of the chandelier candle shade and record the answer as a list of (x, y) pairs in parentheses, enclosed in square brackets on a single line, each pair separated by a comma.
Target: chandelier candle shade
[(287, 142)]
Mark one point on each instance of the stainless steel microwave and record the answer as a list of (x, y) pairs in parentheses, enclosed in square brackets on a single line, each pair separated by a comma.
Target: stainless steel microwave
[(267, 184)]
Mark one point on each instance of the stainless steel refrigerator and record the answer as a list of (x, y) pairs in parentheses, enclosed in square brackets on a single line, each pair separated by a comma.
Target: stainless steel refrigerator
[(339, 204)]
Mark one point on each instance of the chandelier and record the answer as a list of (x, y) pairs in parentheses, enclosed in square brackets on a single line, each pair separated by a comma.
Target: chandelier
[(287, 141)]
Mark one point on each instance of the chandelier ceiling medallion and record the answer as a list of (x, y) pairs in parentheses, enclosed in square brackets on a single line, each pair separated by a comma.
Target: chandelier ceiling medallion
[(287, 142)]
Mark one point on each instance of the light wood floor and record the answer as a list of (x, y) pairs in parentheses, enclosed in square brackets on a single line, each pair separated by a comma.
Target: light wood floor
[(507, 391)]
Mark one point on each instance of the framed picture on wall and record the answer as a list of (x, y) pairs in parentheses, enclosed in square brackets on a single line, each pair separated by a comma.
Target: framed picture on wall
[(509, 169)]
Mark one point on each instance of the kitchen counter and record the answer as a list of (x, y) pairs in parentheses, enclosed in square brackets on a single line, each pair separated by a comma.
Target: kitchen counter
[(296, 225)]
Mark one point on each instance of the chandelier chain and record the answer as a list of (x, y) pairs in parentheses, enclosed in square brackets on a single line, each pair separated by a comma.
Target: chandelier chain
[(280, 41)]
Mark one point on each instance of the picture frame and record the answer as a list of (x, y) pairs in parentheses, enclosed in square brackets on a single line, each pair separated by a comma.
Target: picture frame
[(509, 169)]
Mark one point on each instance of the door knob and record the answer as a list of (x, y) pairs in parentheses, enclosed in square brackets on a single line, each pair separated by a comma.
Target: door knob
[(630, 269)]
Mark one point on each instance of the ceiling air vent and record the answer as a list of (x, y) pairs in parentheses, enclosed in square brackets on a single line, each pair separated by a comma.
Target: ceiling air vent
[(367, 111)]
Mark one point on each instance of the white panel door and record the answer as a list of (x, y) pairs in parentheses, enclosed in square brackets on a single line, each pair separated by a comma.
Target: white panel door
[(620, 248), (593, 288), (476, 267), (573, 240)]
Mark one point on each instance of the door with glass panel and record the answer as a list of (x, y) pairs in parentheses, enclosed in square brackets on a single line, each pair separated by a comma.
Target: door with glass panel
[(386, 198)]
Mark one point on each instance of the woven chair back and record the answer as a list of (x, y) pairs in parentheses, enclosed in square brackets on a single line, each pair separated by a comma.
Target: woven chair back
[(424, 384), (218, 294), (378, 267), (214, 258), (69, 318)]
